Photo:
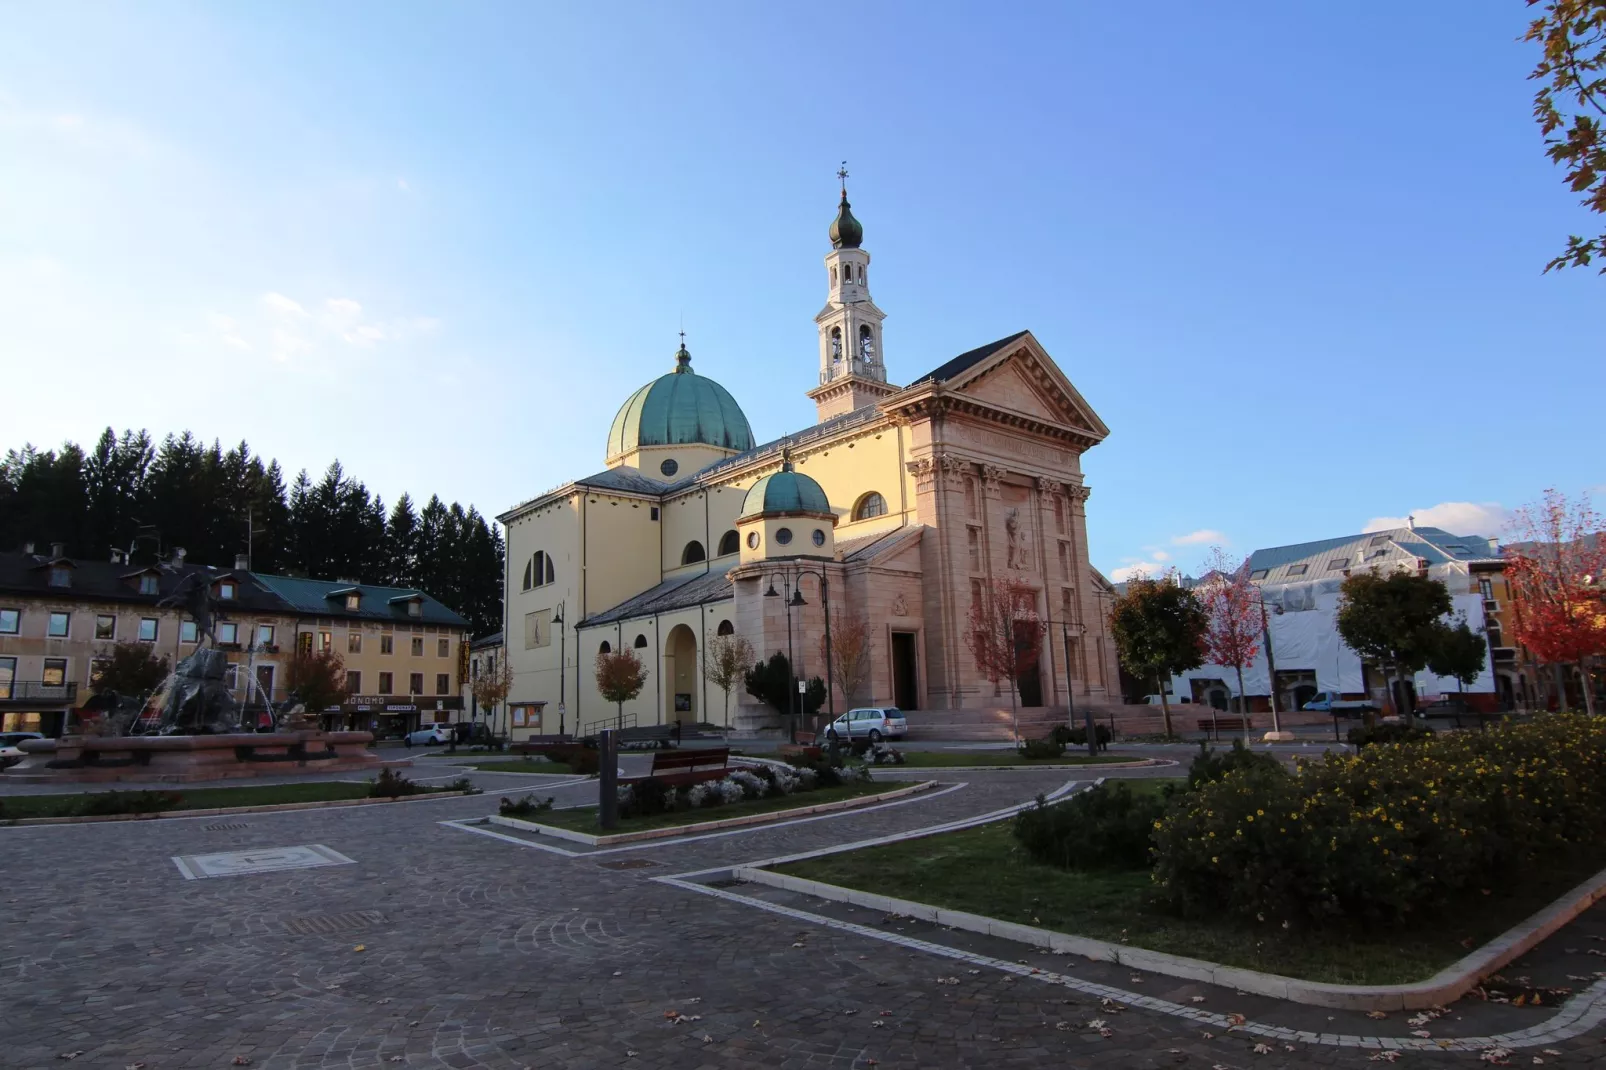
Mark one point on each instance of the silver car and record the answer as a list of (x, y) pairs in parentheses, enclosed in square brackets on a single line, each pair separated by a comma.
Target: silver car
[(430, 735), (873, 723), (10, 748)]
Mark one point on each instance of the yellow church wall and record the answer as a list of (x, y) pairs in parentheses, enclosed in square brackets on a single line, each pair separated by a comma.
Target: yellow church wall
[(621, 549), (689, 458), (673, 667), (849, 469), (534, 658)]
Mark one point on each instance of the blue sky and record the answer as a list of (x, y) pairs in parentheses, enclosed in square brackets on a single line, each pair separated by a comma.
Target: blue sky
[(1291, 253)]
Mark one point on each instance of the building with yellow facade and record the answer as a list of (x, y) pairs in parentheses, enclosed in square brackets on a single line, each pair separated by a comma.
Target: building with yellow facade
[(898, 506)]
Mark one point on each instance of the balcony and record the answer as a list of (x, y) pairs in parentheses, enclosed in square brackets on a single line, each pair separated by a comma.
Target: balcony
[(37, 692), (1505, 654)]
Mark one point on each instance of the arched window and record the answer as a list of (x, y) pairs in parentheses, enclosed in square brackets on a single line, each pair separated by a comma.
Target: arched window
[(539, 572), (527, 571), (833, 276), (866, 343), (836, 343), (605, 648), (729, 543), (725, 628), (693, 553), (869, 505), (641, 642)]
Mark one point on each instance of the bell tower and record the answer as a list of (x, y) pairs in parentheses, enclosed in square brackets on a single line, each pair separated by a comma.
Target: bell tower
[(852, 372)]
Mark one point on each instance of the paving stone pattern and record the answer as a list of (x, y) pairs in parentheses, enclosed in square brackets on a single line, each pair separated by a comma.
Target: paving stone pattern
[(480, 952)]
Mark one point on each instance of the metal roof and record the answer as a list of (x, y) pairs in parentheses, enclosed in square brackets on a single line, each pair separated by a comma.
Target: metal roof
[(1329, 558), (676, 593), (377, 603)]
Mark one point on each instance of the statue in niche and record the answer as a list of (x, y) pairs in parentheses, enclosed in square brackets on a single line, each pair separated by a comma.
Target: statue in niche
[(1018, 552)]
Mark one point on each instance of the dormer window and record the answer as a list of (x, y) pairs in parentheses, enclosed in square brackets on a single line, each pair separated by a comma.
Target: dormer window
[(415, 609), (353, 602), (60, 576), (148, 583), (225, 592)]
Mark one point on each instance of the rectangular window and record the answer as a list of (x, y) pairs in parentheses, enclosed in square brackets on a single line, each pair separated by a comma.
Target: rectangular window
[(387, 644), (60, 625), (354, 643), (10, 621), (1067, 605), (61, 576), (188, 632), (1486, 587), (228, 633), (655, 512), (105, 626), (415, 609), (384, 683), (96, 667), (147, 629), (1298, 570), (1377, 540), (970, 497), (326, 641), (148, 584), (8, 673), (1337, 563), (55, 672), (304, 643), (264, 635), (353, 681), (415, 683), (225, 592), (353, 603), (1259, 573), (973, 544), (418, 646), (1493, 631), (443, 648), (443, 683), (1065, 560), (1059, 515)]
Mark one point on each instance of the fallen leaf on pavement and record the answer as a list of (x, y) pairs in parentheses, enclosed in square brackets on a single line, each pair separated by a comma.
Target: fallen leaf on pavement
[(1197, 999), (1423, 1033), (1236, 1019), (1387, 1056), (360, 947), (1262, 1049)]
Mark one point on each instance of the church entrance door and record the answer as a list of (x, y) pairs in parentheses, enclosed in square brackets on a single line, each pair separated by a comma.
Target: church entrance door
[(1030, 682), (680, 672), (905, 672)]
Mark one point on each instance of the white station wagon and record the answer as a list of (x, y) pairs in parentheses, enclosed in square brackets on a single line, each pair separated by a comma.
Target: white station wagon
[(874, 723)]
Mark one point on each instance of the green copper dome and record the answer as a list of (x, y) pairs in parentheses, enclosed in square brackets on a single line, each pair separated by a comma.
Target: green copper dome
[(678, 409), (846, 232), (784, 492)]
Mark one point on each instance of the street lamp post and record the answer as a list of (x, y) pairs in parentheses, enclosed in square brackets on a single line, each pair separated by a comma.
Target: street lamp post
[(1271, 667), (563, 648), (825, 602), (1070, 692), (791, 702)]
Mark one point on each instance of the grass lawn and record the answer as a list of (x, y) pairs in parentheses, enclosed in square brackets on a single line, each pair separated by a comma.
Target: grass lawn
[(15, 806), (982, 871), (519, 765), (586, 820), (946, 759)]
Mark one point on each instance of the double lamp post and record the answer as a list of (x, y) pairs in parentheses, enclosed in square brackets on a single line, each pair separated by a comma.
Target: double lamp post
[(792, 581)]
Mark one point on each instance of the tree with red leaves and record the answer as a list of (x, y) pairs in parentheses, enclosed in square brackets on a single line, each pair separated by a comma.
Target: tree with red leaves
[(1004, 632), (1556, 573), (620, 678), (1232, 609)]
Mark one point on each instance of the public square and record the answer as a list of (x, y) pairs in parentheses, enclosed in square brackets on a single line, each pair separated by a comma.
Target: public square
[(450, 943)]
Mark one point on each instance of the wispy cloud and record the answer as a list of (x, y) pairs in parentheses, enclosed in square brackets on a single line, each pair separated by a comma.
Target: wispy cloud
[(1488, 519), (280, 303), (1202, 537), (286, 329)]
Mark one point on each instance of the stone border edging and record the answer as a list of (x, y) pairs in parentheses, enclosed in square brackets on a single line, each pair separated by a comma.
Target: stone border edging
[(1447, 985), (707, 826), (217, 811)]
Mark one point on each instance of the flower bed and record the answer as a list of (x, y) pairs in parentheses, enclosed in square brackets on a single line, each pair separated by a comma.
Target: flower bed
[(651, 797)]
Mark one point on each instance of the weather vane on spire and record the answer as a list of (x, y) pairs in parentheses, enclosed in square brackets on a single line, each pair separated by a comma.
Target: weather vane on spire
[(842, 176)]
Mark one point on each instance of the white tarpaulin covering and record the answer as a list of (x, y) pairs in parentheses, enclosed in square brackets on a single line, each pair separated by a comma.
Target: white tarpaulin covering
[(1304, 637)]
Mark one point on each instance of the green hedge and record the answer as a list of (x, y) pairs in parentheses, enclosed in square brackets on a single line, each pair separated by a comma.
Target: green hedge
[(1396, 832), (1104, 827)]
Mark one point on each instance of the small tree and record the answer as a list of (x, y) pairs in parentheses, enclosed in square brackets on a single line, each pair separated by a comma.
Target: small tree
[(1572, 71), (1232, 611), (1555, 574), (1460, 654), (620, 677), (1159, 629), (131, 670), (1394, 621), (725, 663), (492, 686), (849, 651), (1005, 634), (316, 679)]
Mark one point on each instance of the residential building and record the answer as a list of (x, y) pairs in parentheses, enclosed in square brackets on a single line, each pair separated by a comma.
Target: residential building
[(59, 615), (902, 503)]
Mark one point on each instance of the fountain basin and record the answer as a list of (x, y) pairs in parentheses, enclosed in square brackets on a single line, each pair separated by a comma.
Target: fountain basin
[(184, 759)]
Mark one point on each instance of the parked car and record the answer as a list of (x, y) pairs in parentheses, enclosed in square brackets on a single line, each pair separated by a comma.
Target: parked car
[(10, 749), (874, 723), (1335, 703), (430, 735), (1172, 700)]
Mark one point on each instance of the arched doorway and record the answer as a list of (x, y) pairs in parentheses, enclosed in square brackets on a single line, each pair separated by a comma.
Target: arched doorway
[(680, 676)]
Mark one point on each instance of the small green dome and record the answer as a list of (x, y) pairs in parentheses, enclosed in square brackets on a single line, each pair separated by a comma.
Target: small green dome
[(785, 492), (846, 232), (678, 409)]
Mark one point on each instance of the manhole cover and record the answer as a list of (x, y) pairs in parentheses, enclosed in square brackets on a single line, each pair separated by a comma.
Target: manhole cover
[(227, 826), (629, 863), (319, 924)]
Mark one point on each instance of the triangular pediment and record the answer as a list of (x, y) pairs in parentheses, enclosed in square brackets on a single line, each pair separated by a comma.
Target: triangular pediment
[(1022, 378)]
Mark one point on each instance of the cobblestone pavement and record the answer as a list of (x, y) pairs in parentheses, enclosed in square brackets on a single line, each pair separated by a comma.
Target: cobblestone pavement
[(440, 947)]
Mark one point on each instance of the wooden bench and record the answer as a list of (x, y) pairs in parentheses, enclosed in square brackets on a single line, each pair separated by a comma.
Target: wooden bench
[(1226, 724), (680, 767), (539, 744), (805, 747)]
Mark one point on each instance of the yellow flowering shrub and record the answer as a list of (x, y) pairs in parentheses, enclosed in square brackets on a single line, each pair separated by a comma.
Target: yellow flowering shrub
[(1399, 831)]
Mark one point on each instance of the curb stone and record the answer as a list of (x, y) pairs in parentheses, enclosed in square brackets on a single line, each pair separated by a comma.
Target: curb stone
[(216, 811)]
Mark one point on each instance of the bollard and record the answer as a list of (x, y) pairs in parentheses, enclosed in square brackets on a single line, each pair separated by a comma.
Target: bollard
[(608, 780)]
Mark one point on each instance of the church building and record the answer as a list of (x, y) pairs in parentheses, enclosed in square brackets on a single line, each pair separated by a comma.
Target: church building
[(896, 510)]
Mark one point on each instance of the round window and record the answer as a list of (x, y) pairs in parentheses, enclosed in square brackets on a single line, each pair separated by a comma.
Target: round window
[(752, 540), (669, 467), (783, 535), (819, 537)]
